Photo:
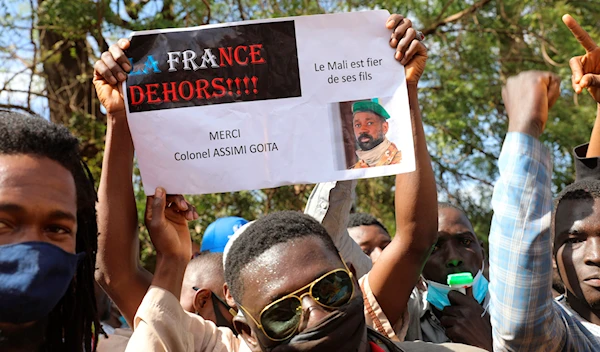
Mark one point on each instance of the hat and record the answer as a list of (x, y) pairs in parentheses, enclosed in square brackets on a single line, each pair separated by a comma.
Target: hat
[(217, 234), (370, 106)]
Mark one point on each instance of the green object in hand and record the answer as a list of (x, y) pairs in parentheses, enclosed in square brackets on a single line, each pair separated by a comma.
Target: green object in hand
[(460, 280)]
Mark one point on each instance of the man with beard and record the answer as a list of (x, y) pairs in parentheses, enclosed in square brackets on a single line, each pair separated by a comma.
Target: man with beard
[(369, 120)]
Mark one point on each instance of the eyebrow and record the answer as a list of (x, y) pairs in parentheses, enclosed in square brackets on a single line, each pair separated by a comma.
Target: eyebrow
[(11, 208), (55, 215), (278, 296), (62, 215)]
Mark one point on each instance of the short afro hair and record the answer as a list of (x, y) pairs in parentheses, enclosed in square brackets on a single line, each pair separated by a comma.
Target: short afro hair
[(446, 205), (73, 324), (585, 190), (364, 219), (263, 234)]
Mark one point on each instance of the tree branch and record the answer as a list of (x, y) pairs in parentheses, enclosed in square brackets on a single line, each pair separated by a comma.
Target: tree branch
[(18, 107), (453, 18)]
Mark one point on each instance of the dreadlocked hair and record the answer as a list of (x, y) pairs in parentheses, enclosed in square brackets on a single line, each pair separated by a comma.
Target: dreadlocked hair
[(73, 324)]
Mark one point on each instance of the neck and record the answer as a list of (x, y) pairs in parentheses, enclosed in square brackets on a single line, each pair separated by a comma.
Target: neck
[(22, 337), (583, 309)]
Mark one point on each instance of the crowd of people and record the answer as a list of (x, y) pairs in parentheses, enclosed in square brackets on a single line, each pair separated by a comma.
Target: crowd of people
[(325, 280)]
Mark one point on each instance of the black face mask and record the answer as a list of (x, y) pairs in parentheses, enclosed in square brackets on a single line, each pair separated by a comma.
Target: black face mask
[(221, 320), (342, 330)]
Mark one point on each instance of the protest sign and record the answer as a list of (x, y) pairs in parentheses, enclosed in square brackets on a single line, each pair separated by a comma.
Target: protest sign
[(260, 104)]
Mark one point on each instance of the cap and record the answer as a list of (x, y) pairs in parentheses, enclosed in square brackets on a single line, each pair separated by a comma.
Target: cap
[(370, 106), (217, 234), (460, 280)]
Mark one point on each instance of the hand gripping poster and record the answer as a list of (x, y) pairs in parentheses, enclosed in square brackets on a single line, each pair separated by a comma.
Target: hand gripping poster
[(261, 104)]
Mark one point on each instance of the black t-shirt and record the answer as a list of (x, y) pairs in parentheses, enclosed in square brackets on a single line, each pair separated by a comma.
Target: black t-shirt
[(585, 168)]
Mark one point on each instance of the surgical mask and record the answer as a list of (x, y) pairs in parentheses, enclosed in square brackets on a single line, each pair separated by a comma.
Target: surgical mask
[(34, 276), (437, 294), (343, 329)]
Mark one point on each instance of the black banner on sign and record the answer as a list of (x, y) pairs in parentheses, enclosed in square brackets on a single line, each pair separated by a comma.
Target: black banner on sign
[(213, 66)]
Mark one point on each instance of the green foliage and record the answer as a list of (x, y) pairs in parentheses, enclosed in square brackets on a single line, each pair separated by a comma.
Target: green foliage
[(474, 46)]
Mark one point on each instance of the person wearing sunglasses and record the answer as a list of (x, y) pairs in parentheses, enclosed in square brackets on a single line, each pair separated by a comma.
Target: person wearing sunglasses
[(293, 290)]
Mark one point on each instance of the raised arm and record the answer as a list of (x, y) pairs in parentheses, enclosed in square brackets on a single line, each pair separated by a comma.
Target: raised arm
[(397, 270), (119, 272), (585, 71), (522, 312)]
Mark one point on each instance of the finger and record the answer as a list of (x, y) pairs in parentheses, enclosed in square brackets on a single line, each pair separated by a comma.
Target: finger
[(452, 311), (448, 321), (148, 212), (576, 87), (393, 20), (582, 36), (123, 43), (189, 214), (177, 202), (192, 213), (590, 81), (416, 48), (576, 68), (120, 57), (457, 298), (553, 90), (158, 207), (113, 66), (400, 31), (405, 42), (104, 72)]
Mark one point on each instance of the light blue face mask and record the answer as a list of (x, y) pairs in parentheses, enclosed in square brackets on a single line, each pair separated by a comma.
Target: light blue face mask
[(437, 294)]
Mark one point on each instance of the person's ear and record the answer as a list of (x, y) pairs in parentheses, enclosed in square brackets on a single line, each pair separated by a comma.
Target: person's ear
[(245, 331), (386, 127), (228, 297), (201, 299)]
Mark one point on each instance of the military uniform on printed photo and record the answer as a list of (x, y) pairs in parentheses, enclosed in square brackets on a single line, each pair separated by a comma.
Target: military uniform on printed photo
[(386, 153)]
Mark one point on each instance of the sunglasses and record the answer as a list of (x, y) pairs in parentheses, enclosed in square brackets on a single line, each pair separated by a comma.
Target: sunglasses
[(280, 319)]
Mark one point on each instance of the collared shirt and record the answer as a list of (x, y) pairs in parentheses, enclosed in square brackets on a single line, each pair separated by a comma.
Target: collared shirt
[(161, 325), (524, 316)]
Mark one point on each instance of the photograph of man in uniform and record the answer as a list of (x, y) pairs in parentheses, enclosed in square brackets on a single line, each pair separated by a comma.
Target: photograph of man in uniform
[(369, 120)]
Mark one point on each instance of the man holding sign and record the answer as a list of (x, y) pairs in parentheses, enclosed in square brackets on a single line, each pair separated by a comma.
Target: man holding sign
[(369, 119), (282, 281)]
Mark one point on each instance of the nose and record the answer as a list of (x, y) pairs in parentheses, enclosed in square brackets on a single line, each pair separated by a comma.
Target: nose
[(453, 258), (592, 251), (312, 313), (375, 253), (453, 263)]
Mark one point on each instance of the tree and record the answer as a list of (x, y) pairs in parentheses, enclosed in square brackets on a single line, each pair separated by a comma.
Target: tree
[(49, 46)]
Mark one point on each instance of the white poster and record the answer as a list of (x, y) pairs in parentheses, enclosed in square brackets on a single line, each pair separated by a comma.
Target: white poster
[(261, 104)]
